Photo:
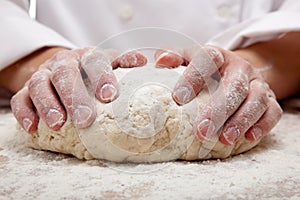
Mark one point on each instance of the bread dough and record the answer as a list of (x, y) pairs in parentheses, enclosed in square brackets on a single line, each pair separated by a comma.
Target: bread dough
[(143, 125)]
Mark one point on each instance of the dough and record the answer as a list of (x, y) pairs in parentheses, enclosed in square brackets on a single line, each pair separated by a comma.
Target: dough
[(143, 125)]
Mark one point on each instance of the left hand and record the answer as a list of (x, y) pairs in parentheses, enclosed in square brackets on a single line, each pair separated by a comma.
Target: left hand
[(58, 87), (243, 104)]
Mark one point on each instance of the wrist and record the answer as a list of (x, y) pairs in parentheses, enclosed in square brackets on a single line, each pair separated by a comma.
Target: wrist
[(13, 77), (281, 55)]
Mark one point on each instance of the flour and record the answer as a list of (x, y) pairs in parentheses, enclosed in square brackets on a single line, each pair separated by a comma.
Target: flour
[(269, 171), (143, 125)]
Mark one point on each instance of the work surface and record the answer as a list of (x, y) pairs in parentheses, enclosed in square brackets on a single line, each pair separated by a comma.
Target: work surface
[(269, 171)]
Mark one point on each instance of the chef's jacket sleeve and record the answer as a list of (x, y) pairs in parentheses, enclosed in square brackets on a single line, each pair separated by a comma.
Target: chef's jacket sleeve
[(20, 35), (264, 28)]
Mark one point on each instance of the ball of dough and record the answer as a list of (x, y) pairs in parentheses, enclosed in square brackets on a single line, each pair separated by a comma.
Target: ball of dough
[(143, 125)]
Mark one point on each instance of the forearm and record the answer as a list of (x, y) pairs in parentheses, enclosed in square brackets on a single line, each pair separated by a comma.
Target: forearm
[(14, 76), (279, 63)]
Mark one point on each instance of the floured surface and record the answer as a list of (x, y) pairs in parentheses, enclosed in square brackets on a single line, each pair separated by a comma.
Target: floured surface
[(271, 170)]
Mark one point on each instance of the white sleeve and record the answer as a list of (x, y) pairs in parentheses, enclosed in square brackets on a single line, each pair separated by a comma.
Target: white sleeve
[(267, 27), (20, 35)]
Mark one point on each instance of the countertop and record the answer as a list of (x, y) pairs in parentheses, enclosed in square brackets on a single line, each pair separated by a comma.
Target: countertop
[(269, 171)]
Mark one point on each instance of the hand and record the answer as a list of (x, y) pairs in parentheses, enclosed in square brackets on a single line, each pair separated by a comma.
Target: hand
[(58, 88), (243, 104)]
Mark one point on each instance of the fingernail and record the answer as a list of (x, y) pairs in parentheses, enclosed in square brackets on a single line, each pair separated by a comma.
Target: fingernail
[(161, 56), (108, 92), (231, 134), (169, 59), (256, 133), (27, 123), (216, 55), (182, 95), (205, 129), (54, 118), (81, 115), (160, 62)]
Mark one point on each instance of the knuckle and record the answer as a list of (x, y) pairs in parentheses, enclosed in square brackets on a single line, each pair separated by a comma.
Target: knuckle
[(216, 55), (62, 72), (242, 123), (64, 58), (260, 83), (238, 88), (256, 83), (94, 55), (241, 84), (236, 91), (263, 100), (61, 55), (46, 65), (260, 88), (38, 79), (81, 51), (277, 109), (192, 73)]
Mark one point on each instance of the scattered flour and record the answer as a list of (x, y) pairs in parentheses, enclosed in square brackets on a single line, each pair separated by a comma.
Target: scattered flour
[(269, 171)]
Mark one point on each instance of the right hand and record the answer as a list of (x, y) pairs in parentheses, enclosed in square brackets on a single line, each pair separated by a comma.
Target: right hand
[(242, 105), (57, 88)]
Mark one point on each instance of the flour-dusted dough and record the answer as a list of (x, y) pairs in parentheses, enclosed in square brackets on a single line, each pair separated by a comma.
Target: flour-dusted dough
[(143, 125)]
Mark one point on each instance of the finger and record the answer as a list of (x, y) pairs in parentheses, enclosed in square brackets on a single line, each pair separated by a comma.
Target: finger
[(130, 59), (97, 65), (127, 60), (203, 63), (45, 100), (24, 111), (112, 57), (82, 51), (67, 80), (266, 122), (232, 91), (169, 57), (247, 115)]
